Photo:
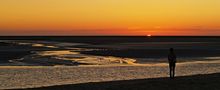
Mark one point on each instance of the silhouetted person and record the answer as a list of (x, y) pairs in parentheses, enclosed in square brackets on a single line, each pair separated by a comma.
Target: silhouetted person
[(172, 62)]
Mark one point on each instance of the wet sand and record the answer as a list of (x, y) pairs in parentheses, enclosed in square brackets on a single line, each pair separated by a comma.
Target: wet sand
[(7, 53), (41, 76)]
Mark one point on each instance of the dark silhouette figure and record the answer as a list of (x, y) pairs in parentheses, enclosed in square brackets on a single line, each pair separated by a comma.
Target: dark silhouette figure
[(172, 63)]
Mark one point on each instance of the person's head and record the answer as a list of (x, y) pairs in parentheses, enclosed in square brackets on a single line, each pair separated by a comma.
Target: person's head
[(171, 49)]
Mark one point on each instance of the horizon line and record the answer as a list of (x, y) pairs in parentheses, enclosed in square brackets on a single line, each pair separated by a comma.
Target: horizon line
[(109, 36)]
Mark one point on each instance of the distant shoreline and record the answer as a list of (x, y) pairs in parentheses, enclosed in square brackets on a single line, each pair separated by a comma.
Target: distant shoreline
[(102, 36), (114, 39)]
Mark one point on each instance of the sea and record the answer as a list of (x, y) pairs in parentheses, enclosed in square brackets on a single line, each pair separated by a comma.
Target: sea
[(105, 50)]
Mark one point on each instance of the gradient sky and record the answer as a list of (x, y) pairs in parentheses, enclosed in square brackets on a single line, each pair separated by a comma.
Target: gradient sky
[(110, 17)]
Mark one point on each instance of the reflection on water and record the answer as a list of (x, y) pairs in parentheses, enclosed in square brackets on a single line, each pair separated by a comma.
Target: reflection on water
[(23, 43), (86, 59), (66, 53), (43, 45), (57, 53), (35, 44), (51, 47), (73, 54)]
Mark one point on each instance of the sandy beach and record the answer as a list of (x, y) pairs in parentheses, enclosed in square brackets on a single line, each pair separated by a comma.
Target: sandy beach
[(61, 66), (43, 76)]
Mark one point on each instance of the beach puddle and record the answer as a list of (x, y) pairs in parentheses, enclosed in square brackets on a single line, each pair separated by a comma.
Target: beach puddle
[(47, 45), (57, 53), (86, 59)]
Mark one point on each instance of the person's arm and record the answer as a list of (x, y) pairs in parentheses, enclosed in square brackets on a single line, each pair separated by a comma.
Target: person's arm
[(169, 58), (174, 58)]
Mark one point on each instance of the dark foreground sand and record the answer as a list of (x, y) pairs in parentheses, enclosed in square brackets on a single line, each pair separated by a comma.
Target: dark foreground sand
[(195, 82)]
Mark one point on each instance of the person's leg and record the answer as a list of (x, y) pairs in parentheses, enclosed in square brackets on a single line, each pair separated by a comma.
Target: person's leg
[(174, 66), (174, 69), (170, 67)]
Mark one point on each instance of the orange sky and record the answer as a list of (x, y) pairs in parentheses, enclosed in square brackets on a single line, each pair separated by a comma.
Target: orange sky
[(109, 17)]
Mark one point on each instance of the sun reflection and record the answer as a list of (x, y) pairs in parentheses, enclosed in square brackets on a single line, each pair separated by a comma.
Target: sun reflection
[(87, 59), (57, 53), (37, 45)]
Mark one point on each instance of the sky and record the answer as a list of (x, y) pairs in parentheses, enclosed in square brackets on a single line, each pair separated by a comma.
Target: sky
[(110, 17)]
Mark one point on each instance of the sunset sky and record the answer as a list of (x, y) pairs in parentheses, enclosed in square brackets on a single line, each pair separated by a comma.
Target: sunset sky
[(110, 17)]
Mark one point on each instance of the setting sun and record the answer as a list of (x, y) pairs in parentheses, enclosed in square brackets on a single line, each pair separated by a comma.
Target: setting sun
[(149, 35)]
